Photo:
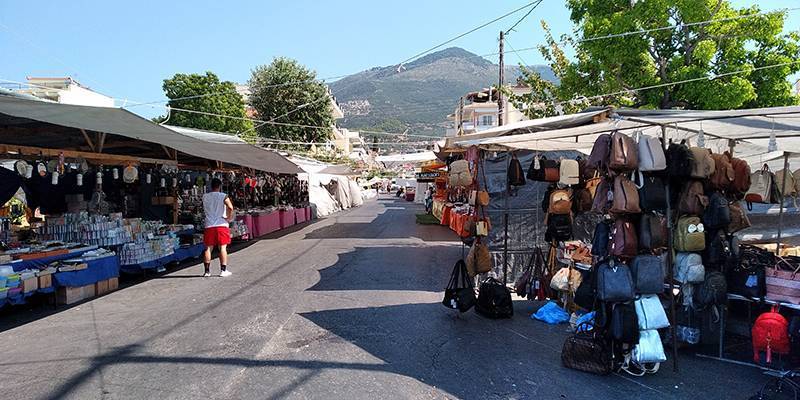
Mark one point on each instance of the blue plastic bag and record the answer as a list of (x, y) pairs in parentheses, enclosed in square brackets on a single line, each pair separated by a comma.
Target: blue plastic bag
[(551, 313), (588, 319)]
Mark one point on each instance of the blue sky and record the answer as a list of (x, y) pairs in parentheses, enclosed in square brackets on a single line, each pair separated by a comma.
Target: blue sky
[(126, 48)]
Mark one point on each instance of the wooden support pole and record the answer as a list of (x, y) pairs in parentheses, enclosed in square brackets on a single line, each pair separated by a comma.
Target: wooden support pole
[(97, 158), (88, 139)]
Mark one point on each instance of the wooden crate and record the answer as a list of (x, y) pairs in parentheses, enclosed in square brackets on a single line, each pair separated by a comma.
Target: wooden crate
[(113, 284), (71, 295), (101, 287), (30, 285)]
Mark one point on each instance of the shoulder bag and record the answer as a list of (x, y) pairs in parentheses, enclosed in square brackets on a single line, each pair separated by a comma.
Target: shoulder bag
[(648, 274), (623, 155), (650, 313), (459, 294), (586, 351), (614, 282)]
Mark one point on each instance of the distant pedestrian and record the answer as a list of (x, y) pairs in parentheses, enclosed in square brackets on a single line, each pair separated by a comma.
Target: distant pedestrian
[(428, 199), (219, 213)]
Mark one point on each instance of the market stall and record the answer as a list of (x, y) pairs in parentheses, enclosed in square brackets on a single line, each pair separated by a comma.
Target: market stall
[(650, 220), (92, 191)]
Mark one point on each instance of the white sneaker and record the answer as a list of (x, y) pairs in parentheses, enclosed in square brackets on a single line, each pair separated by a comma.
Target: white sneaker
[(206, 275), (225, 273)]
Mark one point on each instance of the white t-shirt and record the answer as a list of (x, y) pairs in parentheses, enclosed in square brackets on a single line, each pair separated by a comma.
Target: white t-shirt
[(214, 207)]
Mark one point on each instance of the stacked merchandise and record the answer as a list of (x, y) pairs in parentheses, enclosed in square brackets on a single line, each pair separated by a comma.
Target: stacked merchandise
[(238, 229), (144, 251), (97, 230)]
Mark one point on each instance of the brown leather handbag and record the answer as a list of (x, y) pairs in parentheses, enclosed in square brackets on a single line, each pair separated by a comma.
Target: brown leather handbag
[(723, 175), (739, 219), (623, 239), (552, 172), (693, 200), (624, 153), (626, 197), (479, 260), (741, 176), (702, 163)]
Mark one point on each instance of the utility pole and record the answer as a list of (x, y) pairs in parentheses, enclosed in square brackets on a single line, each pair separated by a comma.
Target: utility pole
[(460, 117), (500, 83)]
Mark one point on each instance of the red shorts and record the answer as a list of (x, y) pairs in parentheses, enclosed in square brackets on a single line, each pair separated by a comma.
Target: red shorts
[(217, 236)]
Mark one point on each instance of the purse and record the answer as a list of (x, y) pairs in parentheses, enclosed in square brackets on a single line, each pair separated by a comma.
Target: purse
[(592, 183), (566, 280), (624, 326), (648, 274), (479, 260), (516, 176), (650, 313), (522, 285), (649, 349), (459, 294), (586, 351), (614, 282), (783, 280), (739, 219)]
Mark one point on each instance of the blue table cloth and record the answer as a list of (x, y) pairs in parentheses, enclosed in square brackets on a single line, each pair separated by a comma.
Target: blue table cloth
[(98, 270), (43, 262)]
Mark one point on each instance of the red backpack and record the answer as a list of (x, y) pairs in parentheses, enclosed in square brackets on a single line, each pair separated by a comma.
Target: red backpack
[(770, 334)]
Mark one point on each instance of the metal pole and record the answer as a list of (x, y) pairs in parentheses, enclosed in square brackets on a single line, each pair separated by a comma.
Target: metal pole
[(505, 223), (500, 83), (780, 213), (670, 267)]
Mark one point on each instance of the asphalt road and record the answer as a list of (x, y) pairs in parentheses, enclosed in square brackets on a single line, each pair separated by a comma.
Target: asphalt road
[(344, 308)]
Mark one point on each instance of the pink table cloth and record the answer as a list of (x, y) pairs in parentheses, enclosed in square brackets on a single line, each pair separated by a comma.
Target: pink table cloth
[(300, 215), (287, 218)]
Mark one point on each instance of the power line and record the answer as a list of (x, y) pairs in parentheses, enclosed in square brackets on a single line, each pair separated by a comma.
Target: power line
[(420, 54), (523, 18)]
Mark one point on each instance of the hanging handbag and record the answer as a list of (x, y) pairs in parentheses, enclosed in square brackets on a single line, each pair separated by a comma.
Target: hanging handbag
[(702, 163), (543, 170), (614, 282), (649, 349), (522, 285), (651, 154), (760, 190), (586, 351), (479, 260), (566, 280), (748, 276), (624, 324), (569, 172), (717, 214), (516, 176), (653, 233), (585, 293), (592, 183), (623, 155), (650, 313), (739, 219), (693, 200), (626, 197), (783, 280), (723, 175), (602, 234), (689, 268), (647, 272), (459, 294), (690, 235), (623, 239), (602, 199), (652, 192)]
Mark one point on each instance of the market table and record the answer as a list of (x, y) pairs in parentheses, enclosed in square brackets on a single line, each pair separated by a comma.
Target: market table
[(97, 270), (300, 215), (178, 255), (35, 263), (248, 221), (447, 213), (268, 223), (437, 209), (287, 218), (457, 222)]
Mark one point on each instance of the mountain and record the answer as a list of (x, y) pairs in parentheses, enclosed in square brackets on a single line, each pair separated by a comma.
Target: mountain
[(421, 95)]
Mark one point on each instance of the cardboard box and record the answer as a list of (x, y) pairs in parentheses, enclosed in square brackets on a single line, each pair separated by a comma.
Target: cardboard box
[(30, 285), (71, 295), (101, 287), (45, 281)]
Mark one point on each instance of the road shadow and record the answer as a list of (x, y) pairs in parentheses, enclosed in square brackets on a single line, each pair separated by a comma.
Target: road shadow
[(392, 223)]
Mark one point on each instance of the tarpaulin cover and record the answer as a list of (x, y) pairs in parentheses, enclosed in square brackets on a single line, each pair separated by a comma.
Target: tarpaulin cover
[(122, 122)]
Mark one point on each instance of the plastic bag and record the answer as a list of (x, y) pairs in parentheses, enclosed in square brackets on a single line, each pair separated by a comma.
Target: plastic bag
[(551, 313)]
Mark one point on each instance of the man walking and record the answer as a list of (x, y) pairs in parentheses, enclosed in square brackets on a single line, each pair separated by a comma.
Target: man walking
[(219, 213)]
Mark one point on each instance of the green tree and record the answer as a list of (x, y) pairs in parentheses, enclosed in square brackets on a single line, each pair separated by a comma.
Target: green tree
[(712, 53), (212, 96), (288, 93)]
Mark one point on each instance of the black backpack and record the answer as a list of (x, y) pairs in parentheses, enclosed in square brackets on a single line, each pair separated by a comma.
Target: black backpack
[(717, 214), (516, 176), (713, 291), (652, 193), (653, 233), (717, 252), (585, 293), (624, 326), (559, 227), (679, 160), (494, 300)]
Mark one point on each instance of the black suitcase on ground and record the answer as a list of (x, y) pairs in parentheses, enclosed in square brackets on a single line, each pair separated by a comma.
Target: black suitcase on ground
[(494, 300)]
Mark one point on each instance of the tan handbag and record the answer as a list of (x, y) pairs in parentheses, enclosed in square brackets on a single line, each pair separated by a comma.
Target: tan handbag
[(592, 183), (482, 228), (566, 279), (739, 219), (479, 260)]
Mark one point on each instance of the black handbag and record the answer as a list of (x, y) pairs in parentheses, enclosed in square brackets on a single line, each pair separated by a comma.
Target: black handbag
[(653, 232), (647, 272), (748, 276), (652, 193), (516, 175), (614, 282), (494, 300), (717, 214), (585, 293), (586, 351), (459, 294), (624, 326)]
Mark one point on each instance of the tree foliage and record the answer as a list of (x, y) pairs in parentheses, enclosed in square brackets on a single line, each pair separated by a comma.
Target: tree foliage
[(222, 99), (288, 93), (713, 54)]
